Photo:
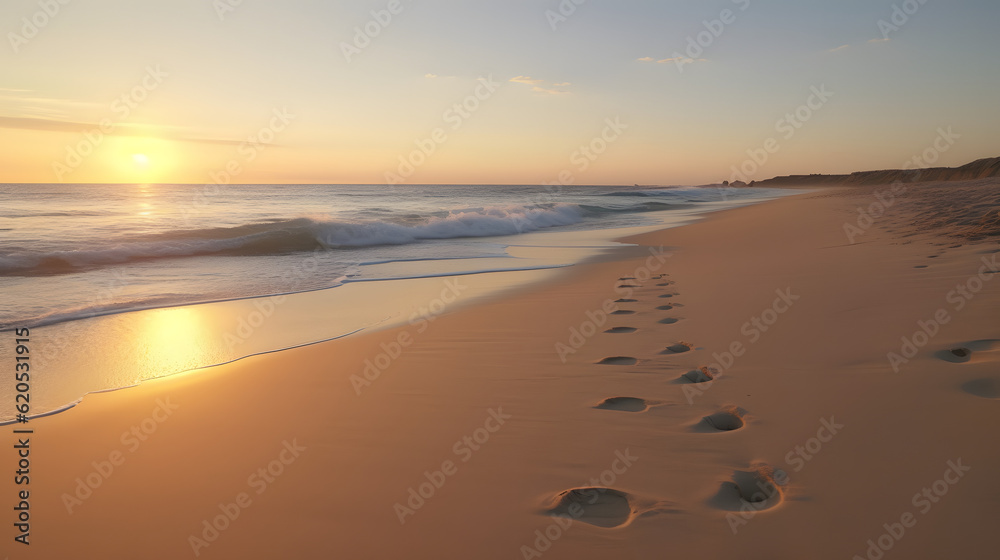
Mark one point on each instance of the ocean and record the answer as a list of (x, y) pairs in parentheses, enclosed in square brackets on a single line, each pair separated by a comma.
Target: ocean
[(82, 263)]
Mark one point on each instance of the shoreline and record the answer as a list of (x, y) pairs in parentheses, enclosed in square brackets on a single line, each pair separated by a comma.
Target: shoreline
[(491, 374), (243, 336)]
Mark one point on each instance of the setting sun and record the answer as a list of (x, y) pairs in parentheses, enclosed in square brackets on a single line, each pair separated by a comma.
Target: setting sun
[(142, 160)]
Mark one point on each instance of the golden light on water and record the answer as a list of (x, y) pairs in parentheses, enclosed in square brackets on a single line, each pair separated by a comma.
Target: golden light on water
[(173, 340)]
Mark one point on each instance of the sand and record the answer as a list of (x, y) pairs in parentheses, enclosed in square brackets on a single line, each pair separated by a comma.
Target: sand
[(745, 405)]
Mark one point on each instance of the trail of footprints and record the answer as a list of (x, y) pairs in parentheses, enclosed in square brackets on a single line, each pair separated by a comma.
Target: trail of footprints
[(756, 487)]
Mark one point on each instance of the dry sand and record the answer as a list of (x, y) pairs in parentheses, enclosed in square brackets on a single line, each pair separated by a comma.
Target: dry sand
[(805, 445)]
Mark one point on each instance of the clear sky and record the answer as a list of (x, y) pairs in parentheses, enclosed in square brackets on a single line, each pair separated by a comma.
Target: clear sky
[(289, 92)]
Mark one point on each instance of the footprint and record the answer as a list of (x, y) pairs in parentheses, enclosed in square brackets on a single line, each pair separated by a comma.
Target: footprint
[(970, 350), (668, 321), (626, 300), (627, 278), (623, 312), (603, 507), (619, 361), (701, 375), (671, 283), (678, 348), (665, 307), (955, 355), (987, 388), (628, 286), (625, 404), (728, 419), (621, 330), (667, 295), (759, 488), (921, 266)]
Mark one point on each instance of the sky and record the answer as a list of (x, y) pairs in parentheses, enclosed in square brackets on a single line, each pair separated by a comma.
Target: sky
[(664, 92)]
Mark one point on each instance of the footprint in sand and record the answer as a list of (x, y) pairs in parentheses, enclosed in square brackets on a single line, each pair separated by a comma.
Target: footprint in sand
[(623, 300), (668, 321), (759, 488), (678, 348), (978, 350), (665, 307), (987, 388), (700, 375), (921, 266), (628, 286), (670, 283), (623, 312), (667, 295), (604, 507), (625, 404), (618, 361), (621, 330), (626, 278), (728, 419)]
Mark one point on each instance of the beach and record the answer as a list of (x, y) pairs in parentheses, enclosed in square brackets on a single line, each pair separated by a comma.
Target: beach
[(840, 423)]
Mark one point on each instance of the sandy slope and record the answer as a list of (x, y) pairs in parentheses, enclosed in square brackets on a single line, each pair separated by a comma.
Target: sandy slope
[(482, 404)]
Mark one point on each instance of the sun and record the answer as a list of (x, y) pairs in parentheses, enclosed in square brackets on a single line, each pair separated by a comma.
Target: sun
[(142, 160)]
